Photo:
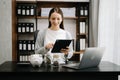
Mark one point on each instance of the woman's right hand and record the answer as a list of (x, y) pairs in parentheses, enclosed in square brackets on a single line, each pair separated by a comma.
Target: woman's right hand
[(49, 46)]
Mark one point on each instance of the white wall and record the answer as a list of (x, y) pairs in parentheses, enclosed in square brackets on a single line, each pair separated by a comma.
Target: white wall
[(5, 30)]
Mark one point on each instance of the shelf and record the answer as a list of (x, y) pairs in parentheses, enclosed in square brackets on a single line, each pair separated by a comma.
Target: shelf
[(29, 17), (27, 10), (27, 33), (84, 17), (24, 2), (65, 0), (79, 52), (45, 17), (53, 1), (56, 4), (82, 34)]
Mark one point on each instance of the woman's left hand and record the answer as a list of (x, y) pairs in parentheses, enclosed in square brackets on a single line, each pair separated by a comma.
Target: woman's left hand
[(65, 51)]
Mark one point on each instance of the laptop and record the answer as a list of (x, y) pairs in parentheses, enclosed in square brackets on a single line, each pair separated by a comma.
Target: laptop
[(91, 58)]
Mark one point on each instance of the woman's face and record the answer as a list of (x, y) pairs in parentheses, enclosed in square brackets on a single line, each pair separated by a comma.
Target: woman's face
[(55, 19)]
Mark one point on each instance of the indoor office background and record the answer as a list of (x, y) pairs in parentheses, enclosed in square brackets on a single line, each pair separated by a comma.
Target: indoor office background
[(104, 28)]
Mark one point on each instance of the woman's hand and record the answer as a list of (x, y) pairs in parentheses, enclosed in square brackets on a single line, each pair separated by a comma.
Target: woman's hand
[(65, 51), (49, 46)]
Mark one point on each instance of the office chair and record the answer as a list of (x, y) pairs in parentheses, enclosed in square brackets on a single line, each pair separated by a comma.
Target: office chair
[(35, 34)]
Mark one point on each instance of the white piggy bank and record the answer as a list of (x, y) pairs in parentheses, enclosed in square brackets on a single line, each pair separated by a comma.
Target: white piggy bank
[(36, 60)]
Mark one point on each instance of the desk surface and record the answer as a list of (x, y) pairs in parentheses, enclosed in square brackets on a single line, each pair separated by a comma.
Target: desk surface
[(10, 66)]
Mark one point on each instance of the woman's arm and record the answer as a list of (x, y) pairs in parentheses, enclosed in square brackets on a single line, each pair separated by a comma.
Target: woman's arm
[(39, 44), (70, 52)]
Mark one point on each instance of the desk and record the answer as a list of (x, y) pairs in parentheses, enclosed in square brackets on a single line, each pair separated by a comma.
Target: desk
[(107, 70), (11, 66)]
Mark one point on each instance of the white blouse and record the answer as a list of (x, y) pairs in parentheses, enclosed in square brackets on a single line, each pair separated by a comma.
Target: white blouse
[(50, 37), (46, 36)]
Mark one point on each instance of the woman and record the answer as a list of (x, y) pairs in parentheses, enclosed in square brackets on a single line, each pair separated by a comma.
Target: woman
[(46, 38)]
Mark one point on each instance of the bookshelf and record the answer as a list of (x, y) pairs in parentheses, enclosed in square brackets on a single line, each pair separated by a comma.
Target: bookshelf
[(29, 12), (25, 27)]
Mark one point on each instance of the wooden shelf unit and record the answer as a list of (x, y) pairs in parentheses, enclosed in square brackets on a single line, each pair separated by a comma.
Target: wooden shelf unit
[(50, 4)]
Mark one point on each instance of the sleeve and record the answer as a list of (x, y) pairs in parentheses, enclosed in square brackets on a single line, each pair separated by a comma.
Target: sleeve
[(70, 54), (39, 44)]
